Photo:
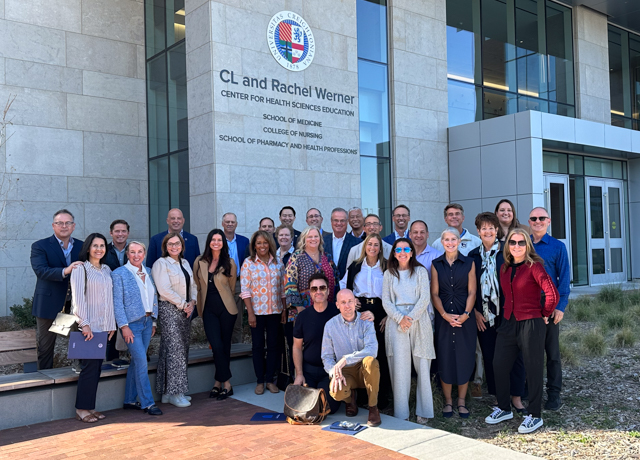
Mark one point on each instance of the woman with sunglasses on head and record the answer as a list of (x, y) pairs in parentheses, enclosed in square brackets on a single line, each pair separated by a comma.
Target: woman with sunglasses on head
[(364, 277), (177, 294), (506, 213), (215, 274), (453, 293), (523, 329), (408, 331)]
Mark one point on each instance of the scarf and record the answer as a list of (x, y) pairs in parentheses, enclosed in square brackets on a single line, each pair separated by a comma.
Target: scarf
[(489, 282)]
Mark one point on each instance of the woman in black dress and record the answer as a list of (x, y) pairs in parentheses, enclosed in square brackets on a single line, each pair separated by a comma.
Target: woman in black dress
[(453, 294)]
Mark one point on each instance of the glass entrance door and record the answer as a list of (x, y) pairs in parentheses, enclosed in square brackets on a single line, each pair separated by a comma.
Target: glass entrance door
[(556, 191), (605, 214)]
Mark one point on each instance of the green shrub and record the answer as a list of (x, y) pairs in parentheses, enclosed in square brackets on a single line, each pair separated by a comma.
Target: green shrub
[(611, 294), (615, 320), (593, 343), (568, 353), (22, 314), (626, 338), (582, 308)]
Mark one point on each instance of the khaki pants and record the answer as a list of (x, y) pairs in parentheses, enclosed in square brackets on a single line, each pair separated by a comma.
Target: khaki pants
[(365, 374)]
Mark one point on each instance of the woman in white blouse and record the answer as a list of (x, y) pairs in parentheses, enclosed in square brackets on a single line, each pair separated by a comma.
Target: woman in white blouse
[(364, 277), (92, 303), (406, 297), (136, 310), (177, 294)]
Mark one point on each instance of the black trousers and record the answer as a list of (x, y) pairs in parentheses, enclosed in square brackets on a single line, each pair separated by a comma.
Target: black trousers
[(269, 324), (528, 337), (46, 343), (554, 364), (112, 352), (88, 383), (218, 327), (517, 377), (317, 377)]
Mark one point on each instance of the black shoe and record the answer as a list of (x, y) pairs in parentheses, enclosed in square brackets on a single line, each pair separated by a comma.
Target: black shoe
[(214, 393), (153, 410), (224, 394), (553, 403), (134, 406), (522, 411)]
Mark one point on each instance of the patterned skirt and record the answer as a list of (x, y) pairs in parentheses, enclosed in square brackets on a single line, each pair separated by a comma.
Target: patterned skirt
[(171, 377)]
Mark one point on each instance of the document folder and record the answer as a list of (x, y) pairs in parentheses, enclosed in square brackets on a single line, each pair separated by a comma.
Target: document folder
[(96, 348)]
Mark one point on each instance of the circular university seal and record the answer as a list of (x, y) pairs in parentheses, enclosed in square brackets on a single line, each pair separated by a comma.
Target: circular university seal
[(291, 41)]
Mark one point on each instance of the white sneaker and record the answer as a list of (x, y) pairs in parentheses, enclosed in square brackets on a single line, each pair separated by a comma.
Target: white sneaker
[(498, 415), (178, 401), (187, 397), (165, 398), (530, 424)]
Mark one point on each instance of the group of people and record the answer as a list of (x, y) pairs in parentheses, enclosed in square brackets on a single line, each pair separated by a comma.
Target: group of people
[(346, 309)]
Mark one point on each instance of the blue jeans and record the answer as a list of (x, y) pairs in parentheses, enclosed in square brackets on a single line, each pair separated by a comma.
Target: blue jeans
[(138, 385)]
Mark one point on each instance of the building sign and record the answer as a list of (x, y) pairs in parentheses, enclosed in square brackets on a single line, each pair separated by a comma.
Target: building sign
[(291, 41)]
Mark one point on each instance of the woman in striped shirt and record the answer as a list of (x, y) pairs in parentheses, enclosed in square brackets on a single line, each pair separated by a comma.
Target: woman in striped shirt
[(92, 303)]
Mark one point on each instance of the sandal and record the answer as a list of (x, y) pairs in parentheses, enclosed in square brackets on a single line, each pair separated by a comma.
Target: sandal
[(462, 414), (87, 418), (100, 415), (214, 393), (448, 414)]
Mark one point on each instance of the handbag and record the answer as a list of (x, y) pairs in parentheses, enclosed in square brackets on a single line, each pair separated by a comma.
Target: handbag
[(284, 378), (63, 322), (304, 405)]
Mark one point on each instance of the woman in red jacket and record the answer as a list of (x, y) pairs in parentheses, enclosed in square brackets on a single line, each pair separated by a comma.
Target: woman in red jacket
[(523, 279)]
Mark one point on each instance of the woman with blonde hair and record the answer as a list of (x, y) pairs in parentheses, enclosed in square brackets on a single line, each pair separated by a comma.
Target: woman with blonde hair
[(523, 279), (308, 259)]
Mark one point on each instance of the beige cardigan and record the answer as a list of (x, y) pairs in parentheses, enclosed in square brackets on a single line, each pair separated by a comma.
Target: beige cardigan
[(226, 285), (170, 281)]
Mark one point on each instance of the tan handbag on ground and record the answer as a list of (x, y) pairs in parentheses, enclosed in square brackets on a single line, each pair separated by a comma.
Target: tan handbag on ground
[(304, 405)]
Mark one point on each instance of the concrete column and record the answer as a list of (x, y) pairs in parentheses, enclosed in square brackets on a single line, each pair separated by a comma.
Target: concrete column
[(419, 108), (592, 65)]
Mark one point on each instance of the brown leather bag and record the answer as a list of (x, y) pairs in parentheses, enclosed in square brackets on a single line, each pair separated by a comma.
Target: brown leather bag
[(304, 405)]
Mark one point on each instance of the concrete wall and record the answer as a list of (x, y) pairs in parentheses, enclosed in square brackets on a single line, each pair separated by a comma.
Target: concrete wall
[(78, 139), (256, 182), (419, 108), (591, 43)]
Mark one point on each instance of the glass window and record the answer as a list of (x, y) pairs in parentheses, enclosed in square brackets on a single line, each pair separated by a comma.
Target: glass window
[(155, 27), (373, 109), (465, 100), (375, 183), (498, 103), (157, 105), (178, 135), (175, 21), (615, 225), (158, 194), (530, 50), (597, 212), (498, 50), (560, 55), (463, 47), (179, 169), (553, 162), (579, 254), (575, 165), (372, 30), (601, 167), (557, 211)]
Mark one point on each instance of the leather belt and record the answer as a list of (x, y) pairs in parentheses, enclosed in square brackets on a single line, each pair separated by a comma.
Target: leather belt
[(148, 314)]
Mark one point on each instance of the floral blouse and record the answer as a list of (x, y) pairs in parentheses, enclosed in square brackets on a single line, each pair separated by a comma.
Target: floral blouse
[(263, 284)]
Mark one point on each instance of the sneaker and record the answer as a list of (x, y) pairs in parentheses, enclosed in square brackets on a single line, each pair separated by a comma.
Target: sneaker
[(178, 401), (553, 403), (530, 424), (476, 390), (498, 415), (165, 399)]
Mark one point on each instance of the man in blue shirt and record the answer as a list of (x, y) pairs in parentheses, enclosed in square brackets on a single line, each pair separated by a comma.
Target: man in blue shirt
[(238, 245), (401, 217), (556, 262)]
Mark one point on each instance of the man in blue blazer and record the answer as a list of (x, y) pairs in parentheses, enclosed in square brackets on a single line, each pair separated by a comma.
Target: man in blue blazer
[(339, 243), (238, 251), (52, 260), (401, 217), (175, 222)]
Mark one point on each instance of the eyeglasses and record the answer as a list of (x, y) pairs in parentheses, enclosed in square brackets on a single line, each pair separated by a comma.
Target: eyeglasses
[(63, 224), (174, 245), (372, 224), (313, 216), (521, 243), (404, 216), (541, 218), (322, 288), (406, 249)]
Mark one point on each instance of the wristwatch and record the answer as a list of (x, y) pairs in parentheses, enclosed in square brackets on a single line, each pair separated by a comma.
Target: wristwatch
[(467, 313)]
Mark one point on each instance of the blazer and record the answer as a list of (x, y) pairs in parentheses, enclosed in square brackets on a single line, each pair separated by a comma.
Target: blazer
[(127, 302), (243, 249), (391, 237), (170, 282), (111, 259), (340, 259), (48, 261), (226, 285), (191, 250)]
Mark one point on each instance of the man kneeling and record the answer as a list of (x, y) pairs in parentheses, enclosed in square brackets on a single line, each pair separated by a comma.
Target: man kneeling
[(349, 350)]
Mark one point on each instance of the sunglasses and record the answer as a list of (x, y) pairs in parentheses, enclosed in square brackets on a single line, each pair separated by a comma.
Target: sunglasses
[(541, 218), (318, 288), (406, 249), (521, 243)]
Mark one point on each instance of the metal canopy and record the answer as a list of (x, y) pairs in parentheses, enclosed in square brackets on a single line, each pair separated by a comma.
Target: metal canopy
[(625, 13)]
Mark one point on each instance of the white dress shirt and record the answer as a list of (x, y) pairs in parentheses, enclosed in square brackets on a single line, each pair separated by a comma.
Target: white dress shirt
[(147, 290), (367, 283), (337, 247)]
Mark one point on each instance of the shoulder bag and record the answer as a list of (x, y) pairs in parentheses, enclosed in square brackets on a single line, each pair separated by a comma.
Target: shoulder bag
[(304, 405), (64, 322)]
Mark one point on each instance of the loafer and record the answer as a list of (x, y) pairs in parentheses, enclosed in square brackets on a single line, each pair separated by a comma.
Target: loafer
[(259, 389), (352, 407), (224, 394), (272, 388), (132, 406), (153, 410), (215, 391), (476, 390)]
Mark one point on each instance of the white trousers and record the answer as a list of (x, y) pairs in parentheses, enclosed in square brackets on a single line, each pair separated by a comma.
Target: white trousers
[(400, 370)]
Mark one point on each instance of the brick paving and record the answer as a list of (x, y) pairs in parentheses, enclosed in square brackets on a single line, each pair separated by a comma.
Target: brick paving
[(208, 429)]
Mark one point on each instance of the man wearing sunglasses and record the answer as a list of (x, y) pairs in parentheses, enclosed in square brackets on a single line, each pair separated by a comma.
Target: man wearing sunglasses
[(556, 263)]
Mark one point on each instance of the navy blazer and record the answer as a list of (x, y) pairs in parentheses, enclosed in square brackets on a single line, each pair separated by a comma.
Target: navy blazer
[(243, 249), (111, 259), (191, 250), (340, 259), (47, 261), (391, 238)]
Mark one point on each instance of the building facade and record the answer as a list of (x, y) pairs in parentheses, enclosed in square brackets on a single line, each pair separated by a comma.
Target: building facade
[(126, 108)]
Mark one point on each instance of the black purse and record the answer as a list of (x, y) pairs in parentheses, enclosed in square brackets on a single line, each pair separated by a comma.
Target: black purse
[(284, 376)]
